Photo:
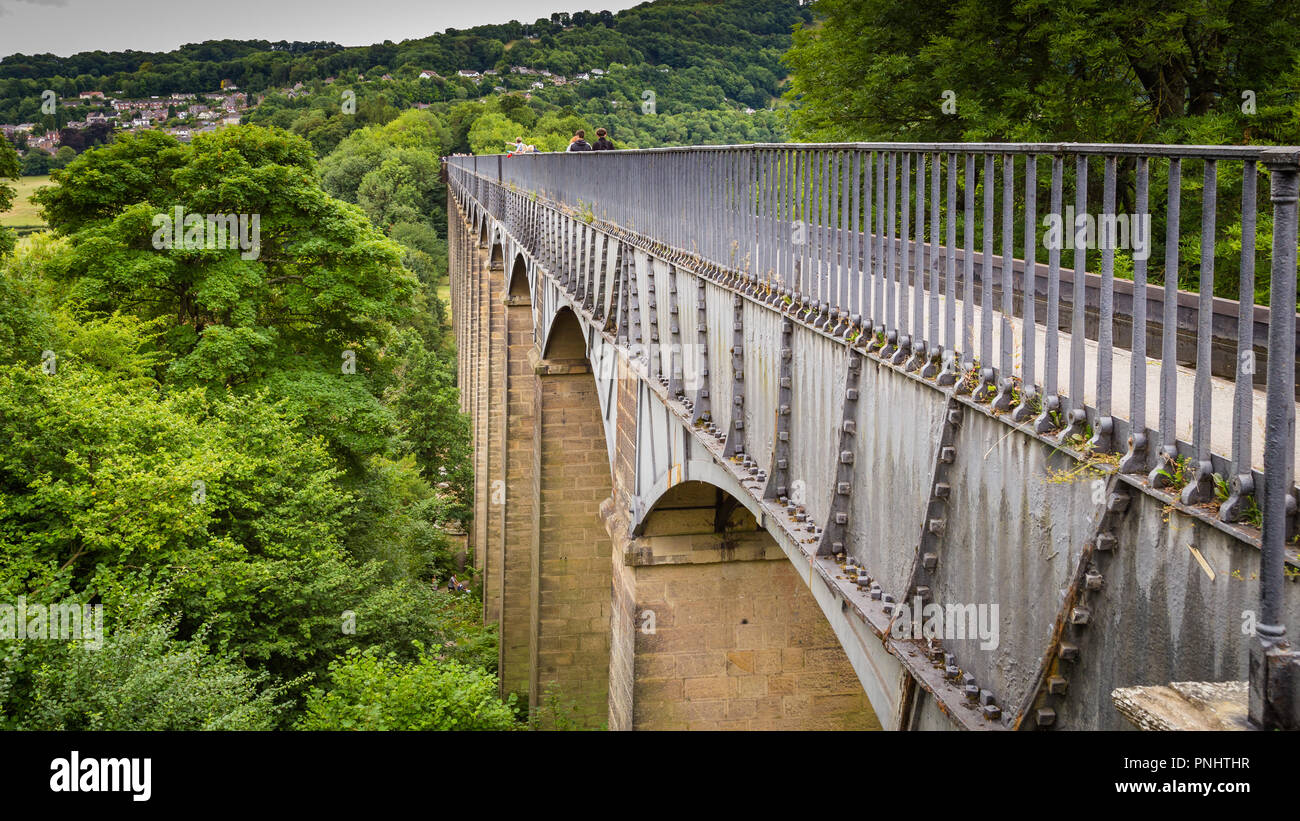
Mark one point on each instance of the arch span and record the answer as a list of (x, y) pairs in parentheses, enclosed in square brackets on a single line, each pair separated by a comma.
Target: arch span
[(565, 340), (714, 629), (518, 285), (691, 471)]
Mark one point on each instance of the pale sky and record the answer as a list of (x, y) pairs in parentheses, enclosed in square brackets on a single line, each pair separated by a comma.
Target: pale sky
[(65, 27)]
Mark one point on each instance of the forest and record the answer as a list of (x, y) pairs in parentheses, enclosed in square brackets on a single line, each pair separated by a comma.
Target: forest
[(251, 463)]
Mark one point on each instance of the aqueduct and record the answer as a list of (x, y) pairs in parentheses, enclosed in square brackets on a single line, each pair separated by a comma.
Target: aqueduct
[(728, 441)]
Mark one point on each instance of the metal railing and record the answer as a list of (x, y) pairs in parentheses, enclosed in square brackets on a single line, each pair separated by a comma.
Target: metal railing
[(880, 240)]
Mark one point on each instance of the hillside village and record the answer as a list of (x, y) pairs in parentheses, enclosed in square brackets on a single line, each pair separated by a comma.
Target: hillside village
[(184, 115), (181, 115)]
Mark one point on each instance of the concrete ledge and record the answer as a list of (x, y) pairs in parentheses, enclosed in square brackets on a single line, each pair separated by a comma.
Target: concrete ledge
[(702, 549), (1185, 705), (556, 367)]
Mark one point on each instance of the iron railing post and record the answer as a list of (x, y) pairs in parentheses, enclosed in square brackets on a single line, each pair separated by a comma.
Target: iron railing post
[(1274, 667)]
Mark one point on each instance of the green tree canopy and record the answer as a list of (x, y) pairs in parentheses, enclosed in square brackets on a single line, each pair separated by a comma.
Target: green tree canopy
[(1031, 71)]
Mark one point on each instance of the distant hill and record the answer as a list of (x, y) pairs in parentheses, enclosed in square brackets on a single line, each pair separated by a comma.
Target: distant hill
[(718, 53)]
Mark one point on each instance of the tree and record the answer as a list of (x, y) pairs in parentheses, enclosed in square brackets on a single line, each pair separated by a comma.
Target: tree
[(371, 692), (9, 170), (1089, 72), (63, 156), (493, 133), (35, 163), (140, 679), (320, 283), (427, 405)]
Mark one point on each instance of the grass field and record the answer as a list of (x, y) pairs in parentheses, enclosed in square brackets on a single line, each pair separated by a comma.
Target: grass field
[(23, 213)]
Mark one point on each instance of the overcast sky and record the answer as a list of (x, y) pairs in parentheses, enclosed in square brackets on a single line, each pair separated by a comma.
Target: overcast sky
[(65, 27)]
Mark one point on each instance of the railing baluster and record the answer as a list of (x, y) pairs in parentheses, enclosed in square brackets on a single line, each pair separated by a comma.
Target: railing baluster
[(1161, 473), (905, 246), (827, 238), (968, 268), (950, 263), (1241, 482), (1078, 415), (1029, 290), (890, 327), (932, 335), (856, 235), (1201, 488), (842, 300), (918, 275), (808, 196), (986, 283), (1003, 399), (878, 309), (1103, 430), (1135, 460)]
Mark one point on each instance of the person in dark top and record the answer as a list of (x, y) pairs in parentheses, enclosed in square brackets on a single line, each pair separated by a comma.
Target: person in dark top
[(579, 142), (602, 141)]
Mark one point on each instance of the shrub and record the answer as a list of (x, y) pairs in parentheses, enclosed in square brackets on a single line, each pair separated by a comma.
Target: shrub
[(373, 692)]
